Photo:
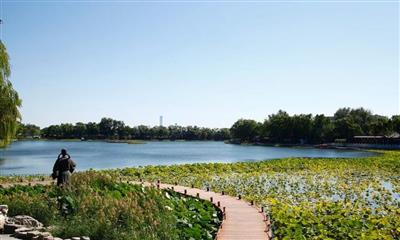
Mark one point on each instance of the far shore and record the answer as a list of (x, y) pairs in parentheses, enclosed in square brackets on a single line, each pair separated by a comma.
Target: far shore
[(129, 141), (132, 141)]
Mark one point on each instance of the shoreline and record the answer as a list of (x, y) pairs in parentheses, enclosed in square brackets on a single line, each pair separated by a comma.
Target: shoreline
[(24, 177), (328, 146)]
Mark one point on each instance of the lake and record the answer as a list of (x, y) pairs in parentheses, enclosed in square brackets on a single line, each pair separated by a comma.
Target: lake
[(37, 157)]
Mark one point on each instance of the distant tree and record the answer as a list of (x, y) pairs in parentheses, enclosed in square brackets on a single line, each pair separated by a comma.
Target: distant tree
[(246, 129), (347, 128), (395, 123), (134, 133), (222, 134), (342, 113), (359, 116), (160, 132), (379, 126), (191, 133), (118, 128), (9, 101), (67, 130), (363, 118), (52, 131), (92, 130), (124, 132), (322, 129), (80, 130), (106, 127), (301, 127), (28, 130), (143, 132), (280, 127), (175, 132)]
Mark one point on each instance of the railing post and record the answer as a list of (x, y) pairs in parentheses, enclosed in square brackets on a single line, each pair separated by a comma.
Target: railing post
[(224, 212)]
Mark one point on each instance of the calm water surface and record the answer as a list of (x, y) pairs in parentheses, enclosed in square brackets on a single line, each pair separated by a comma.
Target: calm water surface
[(37, 157)]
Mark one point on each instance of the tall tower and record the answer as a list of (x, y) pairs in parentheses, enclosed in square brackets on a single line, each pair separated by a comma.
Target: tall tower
[(161, 121)]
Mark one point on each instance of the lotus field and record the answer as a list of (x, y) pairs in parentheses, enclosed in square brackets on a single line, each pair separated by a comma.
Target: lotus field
[(306, 198)]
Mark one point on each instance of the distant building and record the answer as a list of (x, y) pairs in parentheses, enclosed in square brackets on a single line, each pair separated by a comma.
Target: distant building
[(375, 140), (369, 142), (161, 121)]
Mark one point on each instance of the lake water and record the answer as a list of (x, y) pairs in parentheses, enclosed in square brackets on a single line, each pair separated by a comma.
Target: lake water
[(37, 157)]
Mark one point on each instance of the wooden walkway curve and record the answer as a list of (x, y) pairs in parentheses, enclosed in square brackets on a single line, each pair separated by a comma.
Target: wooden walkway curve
[(242, 220)]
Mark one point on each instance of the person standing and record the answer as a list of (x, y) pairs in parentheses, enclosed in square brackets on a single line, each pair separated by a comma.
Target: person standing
[(63, 168)]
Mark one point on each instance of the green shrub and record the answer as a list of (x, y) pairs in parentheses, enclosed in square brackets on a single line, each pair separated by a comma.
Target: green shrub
[(98, 206)]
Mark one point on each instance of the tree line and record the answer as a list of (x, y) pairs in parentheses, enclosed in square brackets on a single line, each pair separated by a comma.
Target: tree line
[(306, 128), (109, 128), (276, 128)]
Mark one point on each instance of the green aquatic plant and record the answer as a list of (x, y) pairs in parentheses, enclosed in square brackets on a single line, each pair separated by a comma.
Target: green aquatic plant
[(306, 198)]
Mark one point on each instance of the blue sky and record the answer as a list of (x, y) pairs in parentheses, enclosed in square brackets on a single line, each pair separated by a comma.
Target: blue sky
[(200, 63)]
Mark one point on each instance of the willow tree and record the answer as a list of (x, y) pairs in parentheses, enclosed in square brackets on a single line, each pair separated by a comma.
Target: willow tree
[(9, 101)]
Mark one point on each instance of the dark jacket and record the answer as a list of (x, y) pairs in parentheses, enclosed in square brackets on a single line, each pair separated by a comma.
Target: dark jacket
[(62, 169)]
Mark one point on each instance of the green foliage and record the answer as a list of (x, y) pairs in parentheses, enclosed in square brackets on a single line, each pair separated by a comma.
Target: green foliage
[(395, 123), (306, 198), (28, 131), (9, 101), (198, 219), (112, 129), (33, 201), (306, 128), (245, 130), (279, 128), (99, 206)]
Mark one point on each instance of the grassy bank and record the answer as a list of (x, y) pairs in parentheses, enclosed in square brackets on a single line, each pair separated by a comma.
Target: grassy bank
[(356, 198), (99, 206)]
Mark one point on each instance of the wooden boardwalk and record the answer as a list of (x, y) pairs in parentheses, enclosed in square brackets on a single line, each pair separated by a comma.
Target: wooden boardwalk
[(242, 221)]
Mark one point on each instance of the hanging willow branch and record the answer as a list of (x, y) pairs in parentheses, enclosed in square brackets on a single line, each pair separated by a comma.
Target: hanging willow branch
[(9, 101)]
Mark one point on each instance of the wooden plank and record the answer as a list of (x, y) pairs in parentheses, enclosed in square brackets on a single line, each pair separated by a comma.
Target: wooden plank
[(243, 221)]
